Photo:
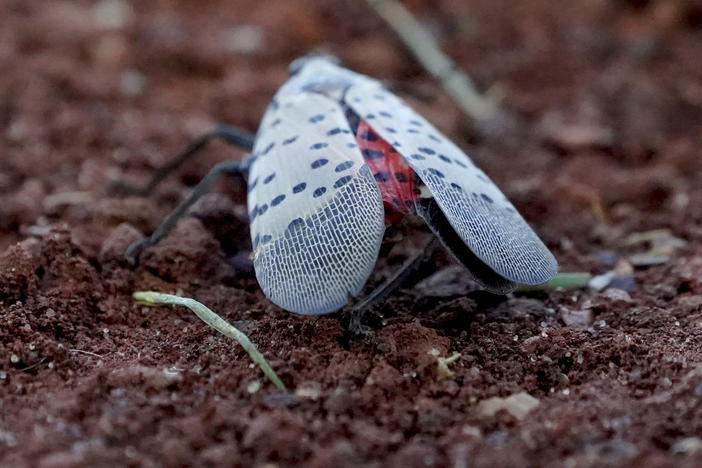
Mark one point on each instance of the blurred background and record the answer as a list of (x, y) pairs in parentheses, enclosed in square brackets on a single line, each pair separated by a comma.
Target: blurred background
[(607, 96)]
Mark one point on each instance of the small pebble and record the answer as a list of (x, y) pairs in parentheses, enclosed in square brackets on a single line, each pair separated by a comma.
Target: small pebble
[(244, 39), (646, 260), (132, 83), (112, 14), (581, 318), (687, 445), (253, 387), (518, 405)]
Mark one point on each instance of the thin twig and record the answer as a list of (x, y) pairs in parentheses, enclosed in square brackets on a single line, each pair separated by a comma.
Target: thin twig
[(151, 298), (33, 365), (456, 83), (85, 352)]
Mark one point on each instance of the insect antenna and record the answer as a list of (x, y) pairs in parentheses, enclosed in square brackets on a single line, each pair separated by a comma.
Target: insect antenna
[(232, 135)]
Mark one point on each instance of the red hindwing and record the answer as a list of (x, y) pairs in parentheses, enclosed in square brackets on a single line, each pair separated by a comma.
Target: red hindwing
[(395, 177)]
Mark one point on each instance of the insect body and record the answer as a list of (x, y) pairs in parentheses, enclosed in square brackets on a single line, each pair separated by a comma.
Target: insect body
[(334, 151), (394, 176)]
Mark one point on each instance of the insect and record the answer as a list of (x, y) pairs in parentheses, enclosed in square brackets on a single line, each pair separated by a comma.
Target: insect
[(337, 156)]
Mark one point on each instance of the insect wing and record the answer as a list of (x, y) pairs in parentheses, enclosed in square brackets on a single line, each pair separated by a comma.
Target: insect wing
[(478, 211), (315, 211)]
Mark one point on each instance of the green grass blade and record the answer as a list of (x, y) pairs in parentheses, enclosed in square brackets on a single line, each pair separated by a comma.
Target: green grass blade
[(561, 280), (151, 298)]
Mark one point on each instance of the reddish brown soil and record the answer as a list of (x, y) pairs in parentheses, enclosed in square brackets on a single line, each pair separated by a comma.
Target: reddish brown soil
[(608, 100)]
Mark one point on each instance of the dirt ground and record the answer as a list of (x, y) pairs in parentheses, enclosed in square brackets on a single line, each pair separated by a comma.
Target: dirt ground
[(607, 100)]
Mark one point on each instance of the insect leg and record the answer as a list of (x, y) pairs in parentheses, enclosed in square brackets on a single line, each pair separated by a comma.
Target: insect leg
[(355, 314), (200, 189), (232, 135), (486, 277)]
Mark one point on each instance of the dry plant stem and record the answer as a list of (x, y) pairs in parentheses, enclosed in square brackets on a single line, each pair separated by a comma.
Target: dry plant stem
[(151, 298), (456, 83)]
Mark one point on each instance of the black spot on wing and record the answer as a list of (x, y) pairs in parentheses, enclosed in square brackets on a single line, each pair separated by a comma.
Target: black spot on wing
[(290, 140), (436, 172), (318, 192), (382, 176), (317, 118), (400, 177), (319, 145), (343, 166), (372, 154), (268, 149), (369, 136), (276, 201), (318, 163), (342, 181), (269, 178), (299, 187)]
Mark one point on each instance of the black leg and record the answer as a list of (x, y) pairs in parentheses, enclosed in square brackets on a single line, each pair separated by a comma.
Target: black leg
[(481, 273), (355, 314), (232, 135), (200, 189)]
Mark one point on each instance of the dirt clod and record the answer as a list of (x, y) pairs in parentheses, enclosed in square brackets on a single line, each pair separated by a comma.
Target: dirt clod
[(518, 405)]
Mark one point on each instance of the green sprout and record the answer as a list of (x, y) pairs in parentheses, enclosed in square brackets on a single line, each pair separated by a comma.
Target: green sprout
[(152, 298), (561, 280)]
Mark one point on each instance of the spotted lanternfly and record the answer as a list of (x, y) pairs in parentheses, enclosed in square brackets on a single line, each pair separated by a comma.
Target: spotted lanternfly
[(336, 157)]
